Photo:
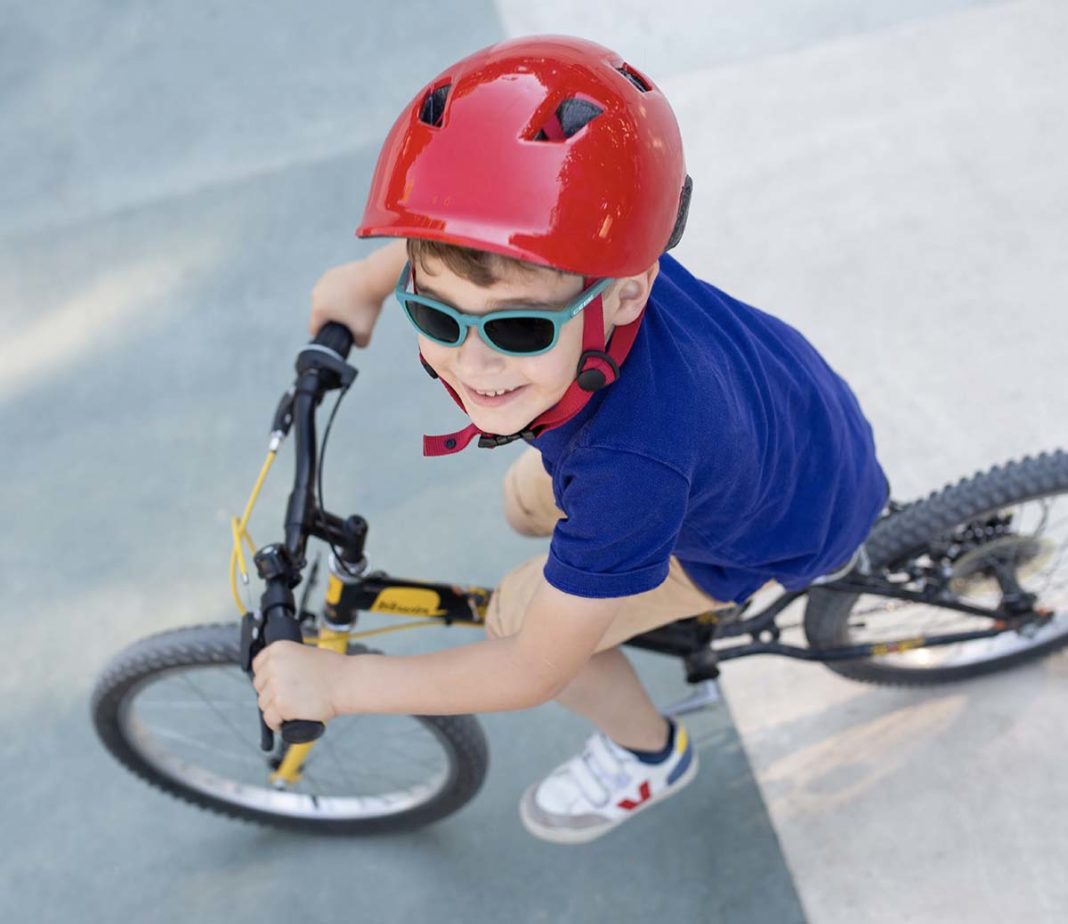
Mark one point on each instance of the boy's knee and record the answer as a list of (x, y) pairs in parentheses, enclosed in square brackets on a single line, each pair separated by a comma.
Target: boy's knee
[(491, 625), (501, 622), (518, 517), (508, 604), (529, 507)]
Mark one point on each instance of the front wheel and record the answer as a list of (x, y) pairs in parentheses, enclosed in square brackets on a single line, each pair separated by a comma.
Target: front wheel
[(177, 710), (1012, 518)]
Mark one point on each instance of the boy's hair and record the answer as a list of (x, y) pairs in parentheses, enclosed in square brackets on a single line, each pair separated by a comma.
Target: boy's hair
[(478, 266)]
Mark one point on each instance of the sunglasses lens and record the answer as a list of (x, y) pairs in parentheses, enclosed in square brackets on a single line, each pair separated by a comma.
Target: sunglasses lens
[(435, 324), (521, 335)]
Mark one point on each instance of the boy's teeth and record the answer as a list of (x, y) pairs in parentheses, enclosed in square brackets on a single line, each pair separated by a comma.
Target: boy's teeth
[(494, 394)]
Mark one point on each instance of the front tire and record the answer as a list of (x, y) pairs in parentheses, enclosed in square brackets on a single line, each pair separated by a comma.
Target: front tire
[(1022, 509), (177, 710)]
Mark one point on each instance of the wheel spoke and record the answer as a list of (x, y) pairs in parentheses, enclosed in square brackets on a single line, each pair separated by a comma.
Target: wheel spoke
[(195, 724), (189, 704), (241, 736), (213, 749), (1026, 534)]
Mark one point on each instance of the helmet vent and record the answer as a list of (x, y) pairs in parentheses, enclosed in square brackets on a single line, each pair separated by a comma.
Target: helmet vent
[(571, 116), (635, 78), (433, 107)]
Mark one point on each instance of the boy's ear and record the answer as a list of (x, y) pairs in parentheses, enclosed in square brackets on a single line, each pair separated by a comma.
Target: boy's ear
[(632, 292)]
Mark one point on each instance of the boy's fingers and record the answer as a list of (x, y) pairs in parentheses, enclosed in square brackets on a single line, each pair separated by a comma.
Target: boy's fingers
[(268, 713)]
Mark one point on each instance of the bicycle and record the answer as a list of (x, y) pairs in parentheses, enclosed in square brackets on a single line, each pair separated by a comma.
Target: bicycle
[(170, 707)]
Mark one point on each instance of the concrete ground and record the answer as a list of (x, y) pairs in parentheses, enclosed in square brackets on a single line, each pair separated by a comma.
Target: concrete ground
[(889, 177), (903, 196)]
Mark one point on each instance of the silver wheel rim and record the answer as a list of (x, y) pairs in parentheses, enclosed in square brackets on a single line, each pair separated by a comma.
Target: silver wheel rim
[(198, 726), (1041, 544)]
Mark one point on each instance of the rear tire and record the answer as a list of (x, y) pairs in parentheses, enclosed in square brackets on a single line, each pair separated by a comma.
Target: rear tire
[(200, 665), (910, 533)]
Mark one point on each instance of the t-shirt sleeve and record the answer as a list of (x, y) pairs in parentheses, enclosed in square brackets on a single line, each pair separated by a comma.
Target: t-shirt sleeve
[(623, 512)]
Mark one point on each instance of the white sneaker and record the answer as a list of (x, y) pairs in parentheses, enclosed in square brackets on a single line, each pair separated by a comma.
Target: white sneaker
[(602, 787)]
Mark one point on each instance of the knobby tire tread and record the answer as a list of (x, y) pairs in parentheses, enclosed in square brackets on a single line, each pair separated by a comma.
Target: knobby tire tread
[(907, 532), (218, 643)]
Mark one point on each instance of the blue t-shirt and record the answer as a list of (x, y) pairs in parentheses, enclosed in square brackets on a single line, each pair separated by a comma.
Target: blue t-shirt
[(727, 442)]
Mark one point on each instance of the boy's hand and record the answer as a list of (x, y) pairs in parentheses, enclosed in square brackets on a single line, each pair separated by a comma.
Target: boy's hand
[(296, 681), (341, 294)]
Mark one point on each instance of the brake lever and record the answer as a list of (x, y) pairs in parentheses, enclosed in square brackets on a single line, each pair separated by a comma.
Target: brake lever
[(283, 419), (252, 643)]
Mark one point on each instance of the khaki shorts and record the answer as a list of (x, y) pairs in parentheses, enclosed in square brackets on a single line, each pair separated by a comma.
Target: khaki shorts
[(531, 511)]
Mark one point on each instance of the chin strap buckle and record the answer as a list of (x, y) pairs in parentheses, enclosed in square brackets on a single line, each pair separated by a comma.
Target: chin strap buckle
[(493, 440)]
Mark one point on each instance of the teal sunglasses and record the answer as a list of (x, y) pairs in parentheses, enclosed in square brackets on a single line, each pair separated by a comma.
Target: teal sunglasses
[(514, 332)]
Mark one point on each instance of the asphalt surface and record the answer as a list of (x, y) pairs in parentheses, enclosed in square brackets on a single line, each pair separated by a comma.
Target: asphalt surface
[(887, 177), (174, 184)]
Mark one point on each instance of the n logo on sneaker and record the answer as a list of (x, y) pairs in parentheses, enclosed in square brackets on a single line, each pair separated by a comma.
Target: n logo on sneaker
[(643, 793)]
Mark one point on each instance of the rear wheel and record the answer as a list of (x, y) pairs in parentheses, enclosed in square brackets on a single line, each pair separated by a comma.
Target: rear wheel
[(177, 710), (1013, 518)]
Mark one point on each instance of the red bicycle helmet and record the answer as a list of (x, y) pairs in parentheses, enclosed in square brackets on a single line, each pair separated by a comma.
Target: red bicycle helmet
[(551, 150)]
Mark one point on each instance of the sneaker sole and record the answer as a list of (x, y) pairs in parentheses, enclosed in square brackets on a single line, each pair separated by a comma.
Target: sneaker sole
[(584, 835)]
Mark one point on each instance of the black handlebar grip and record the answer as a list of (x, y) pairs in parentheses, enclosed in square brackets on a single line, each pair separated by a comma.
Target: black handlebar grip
[(336, 337), (283, 627), (301, 731), (295, 731)]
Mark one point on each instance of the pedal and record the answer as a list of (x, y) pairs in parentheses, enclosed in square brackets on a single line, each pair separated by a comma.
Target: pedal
[(706, 694), (702, 664)]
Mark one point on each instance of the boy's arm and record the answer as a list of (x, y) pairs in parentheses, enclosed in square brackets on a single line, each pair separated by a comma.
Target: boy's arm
[(559, 634), (353, 293)]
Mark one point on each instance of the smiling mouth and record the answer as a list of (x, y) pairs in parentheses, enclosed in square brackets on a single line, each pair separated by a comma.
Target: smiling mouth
[(494, 397), (496, 392)]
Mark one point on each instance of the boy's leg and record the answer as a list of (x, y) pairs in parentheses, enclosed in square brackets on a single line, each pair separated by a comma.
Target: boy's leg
[(529, 506), (609, 694), (636, 758), (607, 691)]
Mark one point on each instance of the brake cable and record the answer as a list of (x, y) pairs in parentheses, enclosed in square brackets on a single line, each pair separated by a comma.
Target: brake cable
[(239, 531), (283, 420), (239, 527)]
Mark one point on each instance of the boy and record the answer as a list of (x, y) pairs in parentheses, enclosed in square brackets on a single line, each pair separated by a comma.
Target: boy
[(685, 448)]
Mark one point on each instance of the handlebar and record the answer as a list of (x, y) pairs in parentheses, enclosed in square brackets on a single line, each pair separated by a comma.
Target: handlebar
[(336, 337), (321, 368)]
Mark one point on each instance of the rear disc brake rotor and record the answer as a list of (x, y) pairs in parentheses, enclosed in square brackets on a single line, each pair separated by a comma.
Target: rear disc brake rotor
[(973, 572)]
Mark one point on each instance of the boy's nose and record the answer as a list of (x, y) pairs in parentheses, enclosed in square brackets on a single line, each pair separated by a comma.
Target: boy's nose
[(475, 354)]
